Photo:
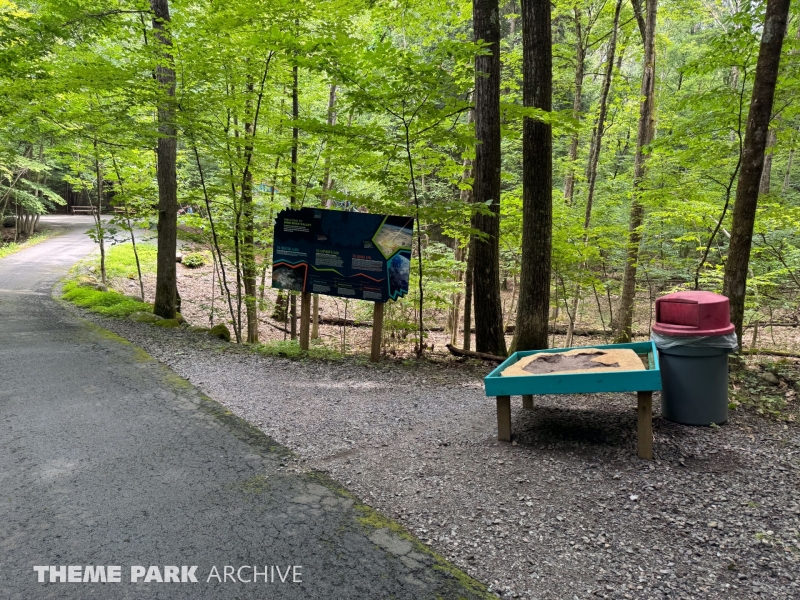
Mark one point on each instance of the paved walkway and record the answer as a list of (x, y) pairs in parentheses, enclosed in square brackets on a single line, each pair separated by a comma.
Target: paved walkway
[(107, 458)]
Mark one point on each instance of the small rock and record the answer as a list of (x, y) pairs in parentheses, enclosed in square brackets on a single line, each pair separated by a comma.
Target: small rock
[(86, 281), (220, 331), (198, 329), (769, 378), (167, 323)]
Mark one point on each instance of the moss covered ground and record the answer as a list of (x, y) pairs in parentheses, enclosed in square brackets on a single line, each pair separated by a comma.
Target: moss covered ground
[(110, 304)]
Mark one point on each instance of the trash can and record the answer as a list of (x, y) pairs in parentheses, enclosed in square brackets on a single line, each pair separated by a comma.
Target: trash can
[(694, 335)]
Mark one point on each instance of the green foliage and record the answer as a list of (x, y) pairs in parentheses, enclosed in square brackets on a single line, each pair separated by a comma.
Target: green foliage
[(194, 260), (109, 304), (121, 262), (221, 331), (79, 97)]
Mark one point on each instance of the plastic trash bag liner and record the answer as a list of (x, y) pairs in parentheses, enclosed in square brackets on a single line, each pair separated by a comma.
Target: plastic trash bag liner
[(727, 342)]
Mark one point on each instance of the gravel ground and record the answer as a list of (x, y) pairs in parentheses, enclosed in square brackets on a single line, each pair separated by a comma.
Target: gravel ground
[(566, 511)]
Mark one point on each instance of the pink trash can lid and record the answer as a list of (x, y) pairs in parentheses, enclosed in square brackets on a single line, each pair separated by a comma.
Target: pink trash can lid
[(693, 313)]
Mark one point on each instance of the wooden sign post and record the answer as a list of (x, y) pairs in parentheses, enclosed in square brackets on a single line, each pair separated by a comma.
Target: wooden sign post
[(305, 319), (377, 331)]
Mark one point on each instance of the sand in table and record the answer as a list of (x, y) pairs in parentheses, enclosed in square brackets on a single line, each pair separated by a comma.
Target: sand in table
[(581, 360)]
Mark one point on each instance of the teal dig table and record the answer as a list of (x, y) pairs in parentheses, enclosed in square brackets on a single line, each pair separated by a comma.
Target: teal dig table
[(643, 382)]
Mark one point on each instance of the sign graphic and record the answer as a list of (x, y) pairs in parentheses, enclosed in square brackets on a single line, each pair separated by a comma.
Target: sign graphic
[(346, 254)]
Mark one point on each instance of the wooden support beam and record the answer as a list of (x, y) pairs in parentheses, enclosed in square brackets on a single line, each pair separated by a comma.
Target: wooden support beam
[(504, 418), (645, 412), (305, 319), (377, 331), (315, 317), (527, 401)]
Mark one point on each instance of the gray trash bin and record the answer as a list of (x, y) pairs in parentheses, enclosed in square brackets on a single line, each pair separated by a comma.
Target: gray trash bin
[(694, 336)]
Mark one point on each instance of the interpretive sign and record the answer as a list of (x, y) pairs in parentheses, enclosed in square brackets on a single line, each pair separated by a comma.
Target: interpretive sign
[(346, 254)]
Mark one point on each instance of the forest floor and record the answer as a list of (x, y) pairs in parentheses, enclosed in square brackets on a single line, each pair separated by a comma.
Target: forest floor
[(400, 339), (567, 510), (9, 246)]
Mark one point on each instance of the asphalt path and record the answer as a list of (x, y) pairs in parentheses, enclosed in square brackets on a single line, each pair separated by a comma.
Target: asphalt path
[(108, 459)]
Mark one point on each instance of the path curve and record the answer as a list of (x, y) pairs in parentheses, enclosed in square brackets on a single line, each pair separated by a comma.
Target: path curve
[(110, 459)]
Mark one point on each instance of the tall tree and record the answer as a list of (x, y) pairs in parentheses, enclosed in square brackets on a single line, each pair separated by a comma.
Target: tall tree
[(537, 179), (755, 143), (581, 39), (594, 158), (645, 136), (293, 198), (489, 335), (166, 157)]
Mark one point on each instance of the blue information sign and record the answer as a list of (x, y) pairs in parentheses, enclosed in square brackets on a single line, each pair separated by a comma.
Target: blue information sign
[(346, 254)]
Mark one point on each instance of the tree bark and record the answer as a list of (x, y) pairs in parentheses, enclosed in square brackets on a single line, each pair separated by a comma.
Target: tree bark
[(645, 136), (248, 229), (486, 187), (461, 253), (327, 184), (766, 173), (594, 159), (580, 61), (249, 269), (98, 223), (755, 142), (166, 175), (537, 179), (468, 287), (787, 178), (293, 199)]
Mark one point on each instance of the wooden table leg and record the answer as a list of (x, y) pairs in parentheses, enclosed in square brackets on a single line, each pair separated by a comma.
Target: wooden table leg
[(527, 401), (504, 418), (645, 424)]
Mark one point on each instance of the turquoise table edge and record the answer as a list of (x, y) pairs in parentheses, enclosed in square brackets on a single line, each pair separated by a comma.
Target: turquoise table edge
[(648, 380)]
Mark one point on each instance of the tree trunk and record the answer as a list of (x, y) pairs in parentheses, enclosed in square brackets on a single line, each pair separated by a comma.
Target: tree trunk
[(166, 157), (486, 187), (580, 61), (537, 174), (465, 196), (755, 141), (468, 287), (249, 268), (787, 178), (293, 199), (766, 173), (327, 184), (315, 317), (594, 158), (248, 232), (98, 223), (645, 136)]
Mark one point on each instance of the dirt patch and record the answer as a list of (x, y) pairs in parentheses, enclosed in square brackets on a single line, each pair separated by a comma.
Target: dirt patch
[(555, 363), (575, 361)]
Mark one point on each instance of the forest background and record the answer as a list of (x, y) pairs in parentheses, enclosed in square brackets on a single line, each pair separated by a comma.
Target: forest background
[(240, 109)]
